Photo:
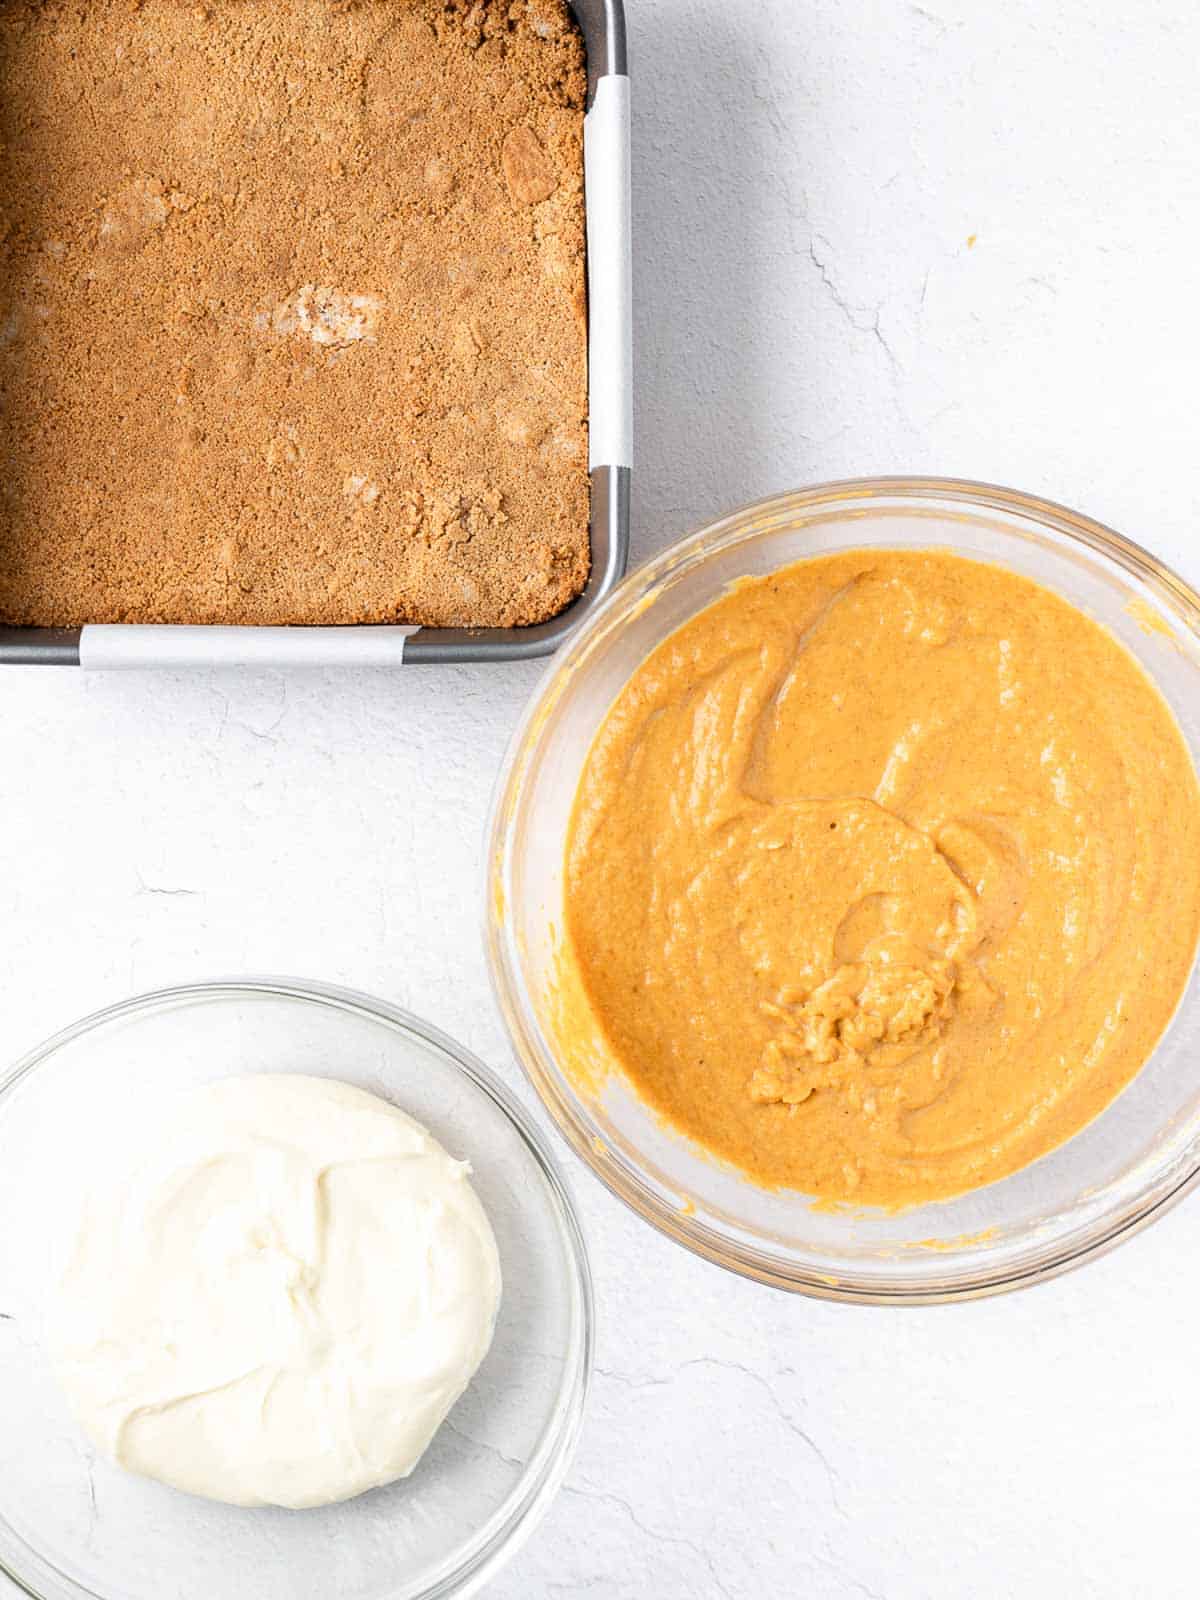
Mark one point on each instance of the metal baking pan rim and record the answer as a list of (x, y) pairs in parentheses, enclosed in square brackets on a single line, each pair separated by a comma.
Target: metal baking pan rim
[(606, 168)]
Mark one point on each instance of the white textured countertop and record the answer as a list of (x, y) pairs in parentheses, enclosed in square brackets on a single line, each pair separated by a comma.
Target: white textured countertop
[(809, 176)]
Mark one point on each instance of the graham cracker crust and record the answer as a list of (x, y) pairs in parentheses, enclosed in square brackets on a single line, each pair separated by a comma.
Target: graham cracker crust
[(292, 312)]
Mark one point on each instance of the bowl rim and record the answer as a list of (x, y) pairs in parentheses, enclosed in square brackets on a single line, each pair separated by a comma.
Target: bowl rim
[(523, 1508), (620, 1176)]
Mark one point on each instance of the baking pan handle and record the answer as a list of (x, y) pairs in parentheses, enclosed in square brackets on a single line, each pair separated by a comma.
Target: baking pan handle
[(124, 644), (610, 276)]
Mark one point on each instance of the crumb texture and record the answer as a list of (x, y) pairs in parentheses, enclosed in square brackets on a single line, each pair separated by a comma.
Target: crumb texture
[(292, 312)]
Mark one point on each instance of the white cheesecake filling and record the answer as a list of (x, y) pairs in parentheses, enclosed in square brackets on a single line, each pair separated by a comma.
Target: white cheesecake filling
[(278, 1301)]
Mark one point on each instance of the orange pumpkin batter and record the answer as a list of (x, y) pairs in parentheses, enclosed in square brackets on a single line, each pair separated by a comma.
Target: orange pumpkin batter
[(882, 877)]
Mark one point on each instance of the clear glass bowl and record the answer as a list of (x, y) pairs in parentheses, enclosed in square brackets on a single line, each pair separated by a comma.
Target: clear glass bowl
[(1138, 1157), (73, 1525)]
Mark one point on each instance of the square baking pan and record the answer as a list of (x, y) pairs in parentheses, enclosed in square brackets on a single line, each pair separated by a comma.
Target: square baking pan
[(606, 186)]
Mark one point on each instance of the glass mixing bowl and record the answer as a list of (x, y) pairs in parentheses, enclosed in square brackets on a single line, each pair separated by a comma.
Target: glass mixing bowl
[(73, 1525), (1134, 1160)]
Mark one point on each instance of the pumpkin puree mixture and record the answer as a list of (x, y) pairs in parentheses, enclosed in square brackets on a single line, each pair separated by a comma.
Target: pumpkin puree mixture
[(882, 876)]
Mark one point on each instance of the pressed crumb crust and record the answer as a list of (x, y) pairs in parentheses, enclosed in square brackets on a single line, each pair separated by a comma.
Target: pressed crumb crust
[(292, 317)]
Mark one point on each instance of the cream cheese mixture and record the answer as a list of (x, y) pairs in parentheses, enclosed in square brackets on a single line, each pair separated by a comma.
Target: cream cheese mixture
[(280, 1299)]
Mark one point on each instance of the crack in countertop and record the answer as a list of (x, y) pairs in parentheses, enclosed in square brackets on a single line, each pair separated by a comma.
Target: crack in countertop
[(763, 1383), (608, 1497)]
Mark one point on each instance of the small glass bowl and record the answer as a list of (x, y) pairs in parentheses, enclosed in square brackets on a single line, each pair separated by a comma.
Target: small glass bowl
[(73, 1525), (1134, 1160)]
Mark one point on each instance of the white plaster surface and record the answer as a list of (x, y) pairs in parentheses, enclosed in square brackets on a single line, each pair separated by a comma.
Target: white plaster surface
[(808, 176)]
